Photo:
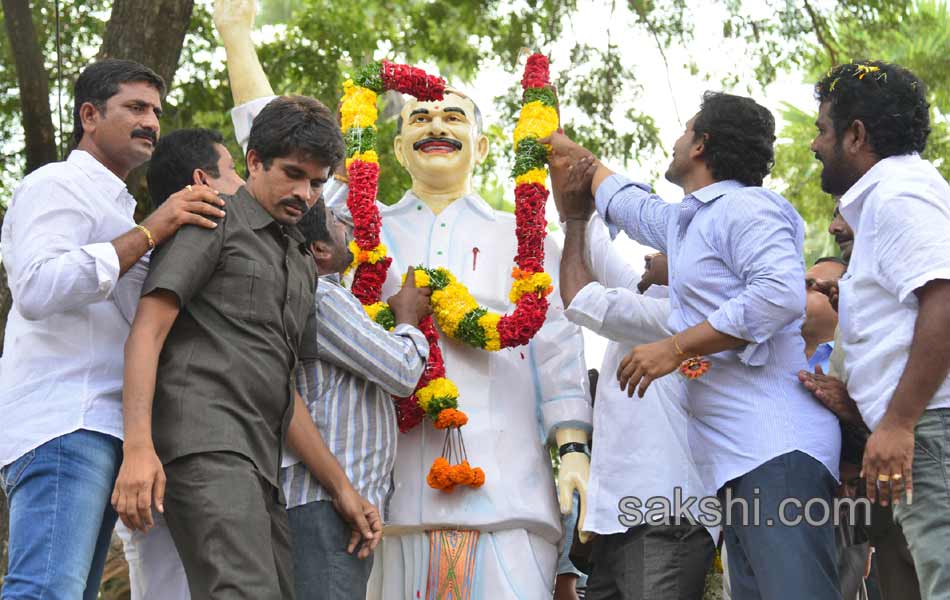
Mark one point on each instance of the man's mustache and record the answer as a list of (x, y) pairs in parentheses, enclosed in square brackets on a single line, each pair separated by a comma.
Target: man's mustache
[(457, 144), (147, 134), (293, 202)]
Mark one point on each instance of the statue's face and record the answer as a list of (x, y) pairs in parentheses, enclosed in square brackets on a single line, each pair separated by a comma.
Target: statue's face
[(439, 142)]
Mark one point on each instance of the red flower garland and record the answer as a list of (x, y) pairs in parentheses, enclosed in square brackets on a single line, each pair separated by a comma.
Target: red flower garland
[(411, 80), (536, 72)]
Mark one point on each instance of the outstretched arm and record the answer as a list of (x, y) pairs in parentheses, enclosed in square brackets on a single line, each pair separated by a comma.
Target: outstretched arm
[(141, 479), (234, 20)]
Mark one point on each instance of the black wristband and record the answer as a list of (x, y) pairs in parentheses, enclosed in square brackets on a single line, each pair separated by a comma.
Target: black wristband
[(573, 447)]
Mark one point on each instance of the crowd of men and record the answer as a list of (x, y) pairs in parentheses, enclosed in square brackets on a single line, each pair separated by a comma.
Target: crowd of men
[(206, 376)]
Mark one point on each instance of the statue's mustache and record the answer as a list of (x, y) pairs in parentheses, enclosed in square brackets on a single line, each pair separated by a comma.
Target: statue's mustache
[(455, 143)]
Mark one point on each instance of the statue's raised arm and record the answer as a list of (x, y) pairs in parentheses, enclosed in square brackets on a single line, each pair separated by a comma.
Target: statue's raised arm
[(234, 20)]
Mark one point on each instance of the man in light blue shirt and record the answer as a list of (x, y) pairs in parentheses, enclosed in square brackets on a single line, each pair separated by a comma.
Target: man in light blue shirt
[(737, 299)]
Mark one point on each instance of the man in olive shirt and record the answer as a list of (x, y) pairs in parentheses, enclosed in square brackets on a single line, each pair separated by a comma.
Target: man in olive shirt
[(224, 317)]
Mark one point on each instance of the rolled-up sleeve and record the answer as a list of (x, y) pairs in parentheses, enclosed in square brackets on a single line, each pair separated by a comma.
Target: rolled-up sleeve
[(912, 241), (243, 118), (557, 356), (51, 266), (632, 208), (129, 288), (349, 339), (762, 243), (620, 315)]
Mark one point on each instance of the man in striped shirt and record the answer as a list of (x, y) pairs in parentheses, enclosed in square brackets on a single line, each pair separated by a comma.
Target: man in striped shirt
[(348, 390)]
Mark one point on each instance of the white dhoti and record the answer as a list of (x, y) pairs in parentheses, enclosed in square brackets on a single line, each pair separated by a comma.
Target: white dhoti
[(508, 565), (155, 569)]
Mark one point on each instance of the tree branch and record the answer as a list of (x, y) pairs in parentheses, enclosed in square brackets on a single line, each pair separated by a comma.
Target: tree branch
[(818, 23)]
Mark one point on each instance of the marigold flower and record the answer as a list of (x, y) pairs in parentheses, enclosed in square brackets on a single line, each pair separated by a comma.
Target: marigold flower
[(536, 121)]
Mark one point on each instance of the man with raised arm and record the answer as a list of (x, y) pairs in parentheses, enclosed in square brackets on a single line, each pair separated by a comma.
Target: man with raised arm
[(506, 531), (648, 544), (737, 298)]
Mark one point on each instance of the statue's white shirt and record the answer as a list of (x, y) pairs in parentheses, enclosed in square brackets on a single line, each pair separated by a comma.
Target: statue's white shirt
[(514, 398)]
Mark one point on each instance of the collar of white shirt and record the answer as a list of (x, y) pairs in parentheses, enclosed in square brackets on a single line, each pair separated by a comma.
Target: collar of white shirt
[(101, 177), (717, 190), (852, 201), (410, 199)]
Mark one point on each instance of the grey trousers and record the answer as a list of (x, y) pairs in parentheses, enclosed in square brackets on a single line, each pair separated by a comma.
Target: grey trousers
[(651, 562), (230, 527), (896, 575), (926, 522), (322, 567)]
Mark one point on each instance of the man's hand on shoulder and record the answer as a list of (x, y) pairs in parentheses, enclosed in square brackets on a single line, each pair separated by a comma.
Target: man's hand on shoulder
[(189, 206), (410, 304)]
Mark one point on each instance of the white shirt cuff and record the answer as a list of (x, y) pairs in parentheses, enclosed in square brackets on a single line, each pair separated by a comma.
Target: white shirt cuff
[(243, 117), (589, 307), (107, 265)]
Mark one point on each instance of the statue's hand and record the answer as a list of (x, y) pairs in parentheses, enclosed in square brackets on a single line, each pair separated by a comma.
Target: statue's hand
[(573, 476), (234, 16)]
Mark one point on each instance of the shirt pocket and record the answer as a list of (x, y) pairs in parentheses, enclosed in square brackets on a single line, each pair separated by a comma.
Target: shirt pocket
[(244, 286)]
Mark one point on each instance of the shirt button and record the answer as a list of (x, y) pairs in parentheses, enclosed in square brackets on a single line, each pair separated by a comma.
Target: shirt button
[(439, 253), (418, 207), (442, 225)]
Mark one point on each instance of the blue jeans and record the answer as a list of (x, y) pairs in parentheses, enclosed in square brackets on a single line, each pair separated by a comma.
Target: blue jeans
[(323, 570), (780, 561), (60, 517), (926, 522)]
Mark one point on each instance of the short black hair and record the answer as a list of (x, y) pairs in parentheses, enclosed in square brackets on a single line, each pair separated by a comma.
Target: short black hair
[(479, 124), (101, 80), (313, 224), (739, 137), (890, 101), (832, 259), (175, 158), (296, 125)]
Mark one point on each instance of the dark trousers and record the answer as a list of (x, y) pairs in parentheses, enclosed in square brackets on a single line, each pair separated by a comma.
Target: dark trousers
[(779, 561), (647, 562), (323, 569), (896, 575), (230, 528)]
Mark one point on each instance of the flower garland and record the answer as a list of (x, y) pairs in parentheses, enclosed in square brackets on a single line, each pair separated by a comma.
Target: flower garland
[(454, 308)]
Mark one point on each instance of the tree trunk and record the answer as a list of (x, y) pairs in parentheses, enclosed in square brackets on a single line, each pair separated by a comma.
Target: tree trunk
[(151, 32), (148, 31), (33, 82)]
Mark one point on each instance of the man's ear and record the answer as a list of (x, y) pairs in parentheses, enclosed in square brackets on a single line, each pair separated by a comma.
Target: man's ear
[(254, 163), (198, 177), (481, 148), (89, 117), (855, 137), (699, 146), (321, 250), (397, 149)]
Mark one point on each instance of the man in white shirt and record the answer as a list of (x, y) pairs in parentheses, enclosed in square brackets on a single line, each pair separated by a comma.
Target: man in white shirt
[(68, 238), (894, 302), (516, 399)]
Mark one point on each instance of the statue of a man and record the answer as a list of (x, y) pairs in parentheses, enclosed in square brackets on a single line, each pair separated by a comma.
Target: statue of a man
[(500, 540)]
